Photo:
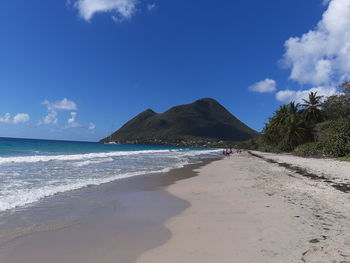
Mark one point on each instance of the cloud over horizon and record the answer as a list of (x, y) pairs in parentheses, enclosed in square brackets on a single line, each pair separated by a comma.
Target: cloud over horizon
[(91, 126), (54, 107), (21, 118), (63, 104), (17, 119), (72, 121)]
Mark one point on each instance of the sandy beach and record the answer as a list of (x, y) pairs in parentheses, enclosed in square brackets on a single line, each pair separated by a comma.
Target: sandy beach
[(148, 131), (244, 209), (109, 223), (250, 207)]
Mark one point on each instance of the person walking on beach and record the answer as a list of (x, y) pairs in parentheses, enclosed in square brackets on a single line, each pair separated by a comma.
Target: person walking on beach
[(227, 152)]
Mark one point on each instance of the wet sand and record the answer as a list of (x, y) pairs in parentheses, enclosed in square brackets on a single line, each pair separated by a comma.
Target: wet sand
[(119, 221)]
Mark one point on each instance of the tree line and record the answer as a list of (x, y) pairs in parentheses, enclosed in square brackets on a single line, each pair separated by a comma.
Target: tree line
[(318, 126)]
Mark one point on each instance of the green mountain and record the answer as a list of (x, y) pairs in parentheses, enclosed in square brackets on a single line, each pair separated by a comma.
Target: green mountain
[(202, 123)]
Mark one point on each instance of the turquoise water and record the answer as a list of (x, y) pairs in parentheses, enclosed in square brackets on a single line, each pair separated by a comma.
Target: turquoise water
[(31, 170), (14, 146)]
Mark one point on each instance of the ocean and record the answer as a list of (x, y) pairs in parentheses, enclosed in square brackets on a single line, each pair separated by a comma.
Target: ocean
[(32, 170)]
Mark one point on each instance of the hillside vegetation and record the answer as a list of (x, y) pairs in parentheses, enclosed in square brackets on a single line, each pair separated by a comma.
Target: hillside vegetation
[(202, 123), (317, 127)]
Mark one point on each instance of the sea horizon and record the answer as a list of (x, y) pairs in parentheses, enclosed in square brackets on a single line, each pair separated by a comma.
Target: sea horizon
[(46, 139)]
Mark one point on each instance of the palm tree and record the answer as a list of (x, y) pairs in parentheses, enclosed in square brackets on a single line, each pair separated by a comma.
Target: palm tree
[(294, 128), (273, 127), (312, 112), (286, 128)]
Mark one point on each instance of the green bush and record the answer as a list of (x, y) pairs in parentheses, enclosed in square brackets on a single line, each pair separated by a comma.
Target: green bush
[(311, 149), (259, 144), (333, 140)]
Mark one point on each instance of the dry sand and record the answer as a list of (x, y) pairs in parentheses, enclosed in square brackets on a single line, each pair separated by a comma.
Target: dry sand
[(244, 209)]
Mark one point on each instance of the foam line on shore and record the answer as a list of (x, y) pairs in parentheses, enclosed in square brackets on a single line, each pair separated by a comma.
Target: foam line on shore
[(75, 157)]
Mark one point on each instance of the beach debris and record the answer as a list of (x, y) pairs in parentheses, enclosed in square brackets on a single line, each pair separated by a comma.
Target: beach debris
[(343, 187), (313, 241)]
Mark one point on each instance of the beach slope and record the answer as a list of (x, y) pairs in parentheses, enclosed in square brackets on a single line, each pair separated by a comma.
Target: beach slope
[(244, 209)]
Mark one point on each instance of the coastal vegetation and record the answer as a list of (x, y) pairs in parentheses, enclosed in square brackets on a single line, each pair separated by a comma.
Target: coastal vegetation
[(203, 123), (318, 127)]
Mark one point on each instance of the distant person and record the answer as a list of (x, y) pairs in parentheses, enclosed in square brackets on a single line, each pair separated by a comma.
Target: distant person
[(226, 152)]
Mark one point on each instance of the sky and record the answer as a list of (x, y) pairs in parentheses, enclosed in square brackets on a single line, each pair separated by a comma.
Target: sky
[(76, 69)]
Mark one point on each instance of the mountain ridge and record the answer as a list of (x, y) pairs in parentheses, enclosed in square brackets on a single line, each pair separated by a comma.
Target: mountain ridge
[(204, 121)]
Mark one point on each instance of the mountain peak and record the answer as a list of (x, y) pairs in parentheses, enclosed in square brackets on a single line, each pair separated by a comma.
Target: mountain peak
[(204, 119), (149, 111), (210, 100)]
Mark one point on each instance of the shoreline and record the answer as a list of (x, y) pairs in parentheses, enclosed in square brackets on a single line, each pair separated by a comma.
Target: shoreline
[(108, 221), (244, 209), (233, 209)]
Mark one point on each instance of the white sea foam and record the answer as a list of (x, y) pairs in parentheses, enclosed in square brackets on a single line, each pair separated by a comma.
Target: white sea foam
[(23, 197), (93, 161), (73, 157), (76, 157), (22, 185)]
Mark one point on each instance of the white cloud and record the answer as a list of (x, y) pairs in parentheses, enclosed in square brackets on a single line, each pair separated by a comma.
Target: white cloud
[(322, 55), (53, 107), (287, 95), (264, 86), (72, 121), (91, 126), (121, 9), (6, 118), (63, 104), (17, 119), (50, 118), (21, 118), (150, 7)]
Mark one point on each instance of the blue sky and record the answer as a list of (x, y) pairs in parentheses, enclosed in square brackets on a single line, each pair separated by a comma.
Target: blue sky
[(69, 69)]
